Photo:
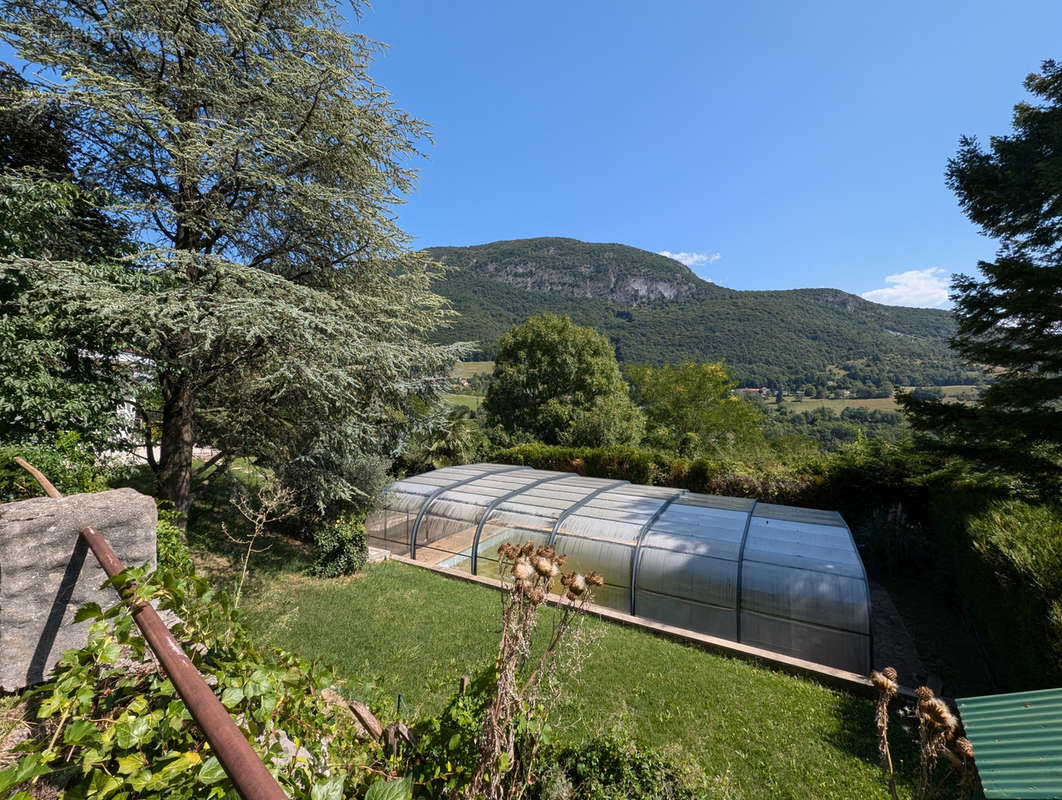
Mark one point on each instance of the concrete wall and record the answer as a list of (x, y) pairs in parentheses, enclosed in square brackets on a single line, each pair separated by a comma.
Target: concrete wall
[(47, 572)]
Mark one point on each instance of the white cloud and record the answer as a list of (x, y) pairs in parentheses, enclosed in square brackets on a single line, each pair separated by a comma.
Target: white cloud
[(921, 288), (692, 260)]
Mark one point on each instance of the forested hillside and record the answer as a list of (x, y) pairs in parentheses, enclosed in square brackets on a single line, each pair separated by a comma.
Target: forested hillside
[(655, 310)]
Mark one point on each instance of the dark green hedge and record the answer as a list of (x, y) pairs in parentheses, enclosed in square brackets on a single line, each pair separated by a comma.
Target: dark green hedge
[(1006, 555), (855, 481)]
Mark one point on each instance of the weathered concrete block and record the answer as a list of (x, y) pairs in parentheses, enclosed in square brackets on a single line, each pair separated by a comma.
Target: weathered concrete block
[(47, 572)]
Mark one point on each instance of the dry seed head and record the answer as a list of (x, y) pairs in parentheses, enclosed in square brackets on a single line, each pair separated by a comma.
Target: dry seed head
[(924, 693), (562, 559), (527, 549), (522, 570), (593, 579), (543, 565), (508, 551), (964, 747), (547, 551), (536, 596), (940, 715), (883, 683), (890, 673), (577, 585)]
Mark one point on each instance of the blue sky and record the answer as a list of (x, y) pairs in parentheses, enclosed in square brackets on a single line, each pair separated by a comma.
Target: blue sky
[(771, 145), (778, 145)]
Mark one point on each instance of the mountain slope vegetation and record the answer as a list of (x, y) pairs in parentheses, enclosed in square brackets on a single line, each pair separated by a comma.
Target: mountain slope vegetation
[(655, 310)]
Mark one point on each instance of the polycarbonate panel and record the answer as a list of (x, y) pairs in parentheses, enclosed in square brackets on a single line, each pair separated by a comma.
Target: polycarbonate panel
[(840, 649), (447, 531), (612, 560), (390, 529), (686, 576), (799, 544), (700, 617), (449, 521), (809, 516), (835, 601)]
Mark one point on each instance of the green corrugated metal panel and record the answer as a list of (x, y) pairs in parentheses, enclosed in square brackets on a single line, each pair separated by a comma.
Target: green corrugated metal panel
[(1017, 741)]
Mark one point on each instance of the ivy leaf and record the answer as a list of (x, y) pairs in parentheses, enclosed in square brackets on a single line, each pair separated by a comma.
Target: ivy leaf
[(391, 790), (211, 771), (130, 763), (79, 731), (26, 769), (232, 697), (88, 611), (331, 789)]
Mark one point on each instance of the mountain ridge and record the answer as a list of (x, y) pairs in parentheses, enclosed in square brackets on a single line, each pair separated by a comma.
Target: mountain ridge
[(656, 310)]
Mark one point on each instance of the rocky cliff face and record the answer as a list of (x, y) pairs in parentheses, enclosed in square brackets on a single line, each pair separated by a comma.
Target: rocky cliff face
[(570, 268)]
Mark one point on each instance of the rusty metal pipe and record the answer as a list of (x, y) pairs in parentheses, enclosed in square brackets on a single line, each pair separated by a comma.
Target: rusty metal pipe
[(243, 766), (241, 763)]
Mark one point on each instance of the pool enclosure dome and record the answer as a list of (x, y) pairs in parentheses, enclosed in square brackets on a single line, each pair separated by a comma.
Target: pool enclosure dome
[(778, 577)]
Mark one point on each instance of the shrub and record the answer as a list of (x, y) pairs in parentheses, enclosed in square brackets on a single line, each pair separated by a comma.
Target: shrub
[(170, 546), (613, 767), (342, 548), (68, 464), (1009, 566)]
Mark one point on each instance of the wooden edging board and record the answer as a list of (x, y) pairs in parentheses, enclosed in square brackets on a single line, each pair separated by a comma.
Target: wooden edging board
[(850, 682)]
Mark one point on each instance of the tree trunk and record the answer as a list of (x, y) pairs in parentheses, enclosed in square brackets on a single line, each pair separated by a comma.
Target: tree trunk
[(174, 480)]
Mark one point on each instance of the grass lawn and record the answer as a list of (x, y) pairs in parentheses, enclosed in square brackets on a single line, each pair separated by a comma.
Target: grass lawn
[(755, 733)]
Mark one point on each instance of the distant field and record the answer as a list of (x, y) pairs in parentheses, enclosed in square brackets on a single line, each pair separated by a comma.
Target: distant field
[(811, 403), (466, 369), (957, 392), (469, 401)]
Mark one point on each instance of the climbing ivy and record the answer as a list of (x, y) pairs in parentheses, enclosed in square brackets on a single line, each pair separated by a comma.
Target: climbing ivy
[(109, 723)]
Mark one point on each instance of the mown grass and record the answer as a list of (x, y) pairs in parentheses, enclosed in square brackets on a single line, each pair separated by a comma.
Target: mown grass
[(755, 733)]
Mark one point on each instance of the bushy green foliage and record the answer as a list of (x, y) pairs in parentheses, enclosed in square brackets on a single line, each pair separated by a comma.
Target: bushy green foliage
[(856, 480), (832, 430), (341, 548), (560, 383), (65, 461), (170, 546), (613, 767), (56, 372), (447, 751), (692, 409), (1007, 559), (110, 723)]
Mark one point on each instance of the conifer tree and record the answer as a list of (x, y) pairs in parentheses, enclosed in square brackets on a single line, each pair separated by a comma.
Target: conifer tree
[(1010, 318), (274, 297)]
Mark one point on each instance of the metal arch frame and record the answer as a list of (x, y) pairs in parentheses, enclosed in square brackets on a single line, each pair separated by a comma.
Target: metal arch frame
[(498, 501), (741, 564), (636, 557), (439, 491), (576, 506)]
